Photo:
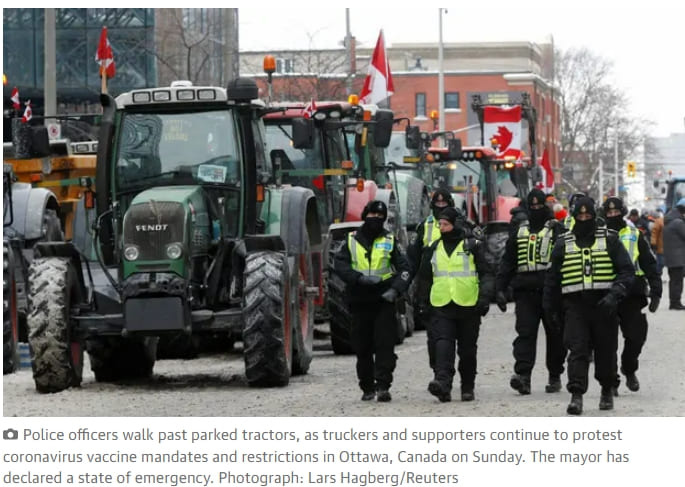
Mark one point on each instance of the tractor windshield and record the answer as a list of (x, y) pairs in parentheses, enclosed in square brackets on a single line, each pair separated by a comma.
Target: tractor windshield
[(458, 176), (178, 148)]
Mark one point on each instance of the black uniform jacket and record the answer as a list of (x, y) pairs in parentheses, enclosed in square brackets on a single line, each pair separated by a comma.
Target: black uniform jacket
[(486, 281), (507, 273), (368, 294), (623, 267)]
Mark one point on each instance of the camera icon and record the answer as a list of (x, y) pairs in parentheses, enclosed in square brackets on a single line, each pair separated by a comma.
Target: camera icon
[(10, 434)]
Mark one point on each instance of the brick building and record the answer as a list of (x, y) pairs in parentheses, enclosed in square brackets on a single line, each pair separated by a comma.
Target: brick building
[(498, 72)]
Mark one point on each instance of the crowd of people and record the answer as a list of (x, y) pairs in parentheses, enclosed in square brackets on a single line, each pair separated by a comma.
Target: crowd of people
[(585, 272)]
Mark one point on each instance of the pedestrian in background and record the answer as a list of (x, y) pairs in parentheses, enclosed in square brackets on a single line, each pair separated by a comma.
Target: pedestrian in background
[(376, 273), (589, 274), (632, 320), (461, 288), (657, 241), (674, 253), (524, 264)]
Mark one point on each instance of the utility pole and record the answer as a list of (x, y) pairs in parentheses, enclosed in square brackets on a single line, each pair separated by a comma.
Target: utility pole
[(441, 78), (350, 51), (50, 64), (616, 165), (600, 192)]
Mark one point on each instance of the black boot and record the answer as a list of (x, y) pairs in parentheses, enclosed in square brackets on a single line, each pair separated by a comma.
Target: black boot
[(631, 382), (383, 395), (440, 391), (575, 407), (369, 396), (676, 306), (467, 395), (520, 383), (606, 399), (554, 384)]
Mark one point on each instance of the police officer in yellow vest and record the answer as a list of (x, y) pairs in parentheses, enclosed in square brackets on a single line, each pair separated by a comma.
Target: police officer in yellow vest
[(569, 221), (589, 274), (460, 293), (631, 319), (376, 273), (523, 266)]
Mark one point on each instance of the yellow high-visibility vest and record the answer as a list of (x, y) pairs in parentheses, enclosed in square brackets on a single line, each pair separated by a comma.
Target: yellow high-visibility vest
[(431, 231), (454, 277), (379, 264), (533, 250), (588, 268), (629, 236)]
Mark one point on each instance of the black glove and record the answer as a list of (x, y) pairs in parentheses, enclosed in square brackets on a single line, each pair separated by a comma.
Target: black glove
[(654, 304), (501, 299), (369, 280), (390, 295), (608, 304), (483, 306)]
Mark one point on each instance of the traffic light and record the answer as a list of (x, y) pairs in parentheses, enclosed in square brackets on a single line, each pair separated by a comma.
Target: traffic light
[(631, 169)]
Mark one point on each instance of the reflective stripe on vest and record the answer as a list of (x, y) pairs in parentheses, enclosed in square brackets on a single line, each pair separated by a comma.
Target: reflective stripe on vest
[(431, 231), (533, 250), (380, 256), (588, 268), (629, 237), (454, 277), (569, 222)]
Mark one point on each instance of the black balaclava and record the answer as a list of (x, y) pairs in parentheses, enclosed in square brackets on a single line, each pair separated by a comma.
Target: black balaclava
[(373, 225), (453, 216), (584, 230), (441, 194), (614, 222), (537, 217)]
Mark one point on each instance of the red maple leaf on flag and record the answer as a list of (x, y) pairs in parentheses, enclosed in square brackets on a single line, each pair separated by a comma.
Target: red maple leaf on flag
[(504, 138), (378, 85), (28, 113), (104, 55), (15, 98), (309, 109)]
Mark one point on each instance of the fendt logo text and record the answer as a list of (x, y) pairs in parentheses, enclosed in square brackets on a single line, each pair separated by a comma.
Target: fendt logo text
[(152, 228)]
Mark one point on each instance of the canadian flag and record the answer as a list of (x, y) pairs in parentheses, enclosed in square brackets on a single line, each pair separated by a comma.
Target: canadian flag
[(504, 125), (15, 98), (309, 109), (378, 83), (548, 180), (104, 56), (28, 113)]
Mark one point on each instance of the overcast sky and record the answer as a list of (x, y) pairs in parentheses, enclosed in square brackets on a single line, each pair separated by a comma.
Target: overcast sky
[(646, 43)]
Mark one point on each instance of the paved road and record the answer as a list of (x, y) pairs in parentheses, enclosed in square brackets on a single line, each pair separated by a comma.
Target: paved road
[(215, 385)]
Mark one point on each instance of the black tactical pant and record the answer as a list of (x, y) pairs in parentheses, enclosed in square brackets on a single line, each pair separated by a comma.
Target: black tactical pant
[(528, 316), (458, 326), (587, 329), (675, 284), (633, 323), (373, 335)]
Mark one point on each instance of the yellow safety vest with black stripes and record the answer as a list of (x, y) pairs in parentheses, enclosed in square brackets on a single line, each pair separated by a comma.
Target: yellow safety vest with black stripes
[(589, 268), (454, 277), (630, 236), (533, 250), (431, 231), (569, 222), (379, 264)]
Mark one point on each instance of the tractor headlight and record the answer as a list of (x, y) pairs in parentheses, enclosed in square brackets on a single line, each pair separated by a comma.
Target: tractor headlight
[(131, 252), (174, 251)]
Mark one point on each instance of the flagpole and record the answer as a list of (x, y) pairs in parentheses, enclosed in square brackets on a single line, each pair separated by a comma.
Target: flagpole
[(616, 165), (441, 79), (103, 85)]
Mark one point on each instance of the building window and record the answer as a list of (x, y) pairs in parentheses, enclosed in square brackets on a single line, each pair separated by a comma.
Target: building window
[(420, 104), (285, 65), (452, 100)]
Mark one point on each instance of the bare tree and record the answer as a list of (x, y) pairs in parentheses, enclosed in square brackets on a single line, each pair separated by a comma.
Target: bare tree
[(594, 114)]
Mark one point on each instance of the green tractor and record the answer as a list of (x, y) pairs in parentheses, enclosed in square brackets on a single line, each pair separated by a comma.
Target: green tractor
[(183, 237)]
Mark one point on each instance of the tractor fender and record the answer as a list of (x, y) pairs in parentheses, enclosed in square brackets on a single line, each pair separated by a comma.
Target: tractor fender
[(29, 205), (300, 227)]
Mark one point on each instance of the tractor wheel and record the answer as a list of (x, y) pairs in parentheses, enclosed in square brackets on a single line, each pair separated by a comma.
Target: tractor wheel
[(116, 358), (52, 226), (341, 319), (10, 319), (178, 346), (267, 329), (302, 313), (56, 355)]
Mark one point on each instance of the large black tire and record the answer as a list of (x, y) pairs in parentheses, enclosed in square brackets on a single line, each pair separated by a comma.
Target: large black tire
[(56, 355), (302, 313), (267, 329), (116, 358), (340, 320), (10, 318)]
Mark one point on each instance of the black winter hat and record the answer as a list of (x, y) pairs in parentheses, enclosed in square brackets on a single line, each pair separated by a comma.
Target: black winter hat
[(451, 215), (442, 194), (614, 203), (584, 204), (375, 206), (536, 197)]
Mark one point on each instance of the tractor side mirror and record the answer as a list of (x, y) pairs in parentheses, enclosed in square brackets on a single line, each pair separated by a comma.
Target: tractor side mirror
[(412, 137), (383, 128), (303, 133), (453, 149)]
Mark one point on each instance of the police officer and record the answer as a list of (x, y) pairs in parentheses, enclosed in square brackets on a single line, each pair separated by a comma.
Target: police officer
[(376, 273), (590, 273), (525, 261), (428, 231), (460, 292), (631, 319), (569, 221)]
